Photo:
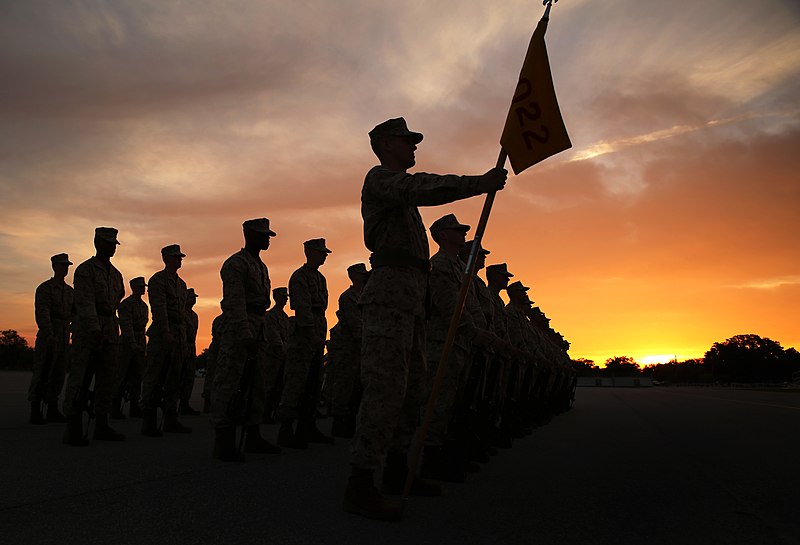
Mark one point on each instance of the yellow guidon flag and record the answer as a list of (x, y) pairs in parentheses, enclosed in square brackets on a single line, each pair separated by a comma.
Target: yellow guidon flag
[(534, 129)]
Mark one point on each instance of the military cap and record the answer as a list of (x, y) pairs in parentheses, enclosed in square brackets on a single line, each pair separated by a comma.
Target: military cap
[(259, 225), (60, 258), (191, 293), (172, 249), (280, 292), (468, 248), (138, 281), (499, 268), (358, 268), (394, 127), (106, 233), (448, 222), (317, 244), (517, 286)]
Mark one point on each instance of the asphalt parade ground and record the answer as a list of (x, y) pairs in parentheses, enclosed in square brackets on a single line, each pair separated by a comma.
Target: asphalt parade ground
[(639, 466)]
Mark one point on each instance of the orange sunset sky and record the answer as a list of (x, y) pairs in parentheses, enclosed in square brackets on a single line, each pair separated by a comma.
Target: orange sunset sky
[(672, 223)]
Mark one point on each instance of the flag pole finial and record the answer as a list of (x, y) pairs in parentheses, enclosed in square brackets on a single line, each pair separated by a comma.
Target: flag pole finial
[(549, 4)]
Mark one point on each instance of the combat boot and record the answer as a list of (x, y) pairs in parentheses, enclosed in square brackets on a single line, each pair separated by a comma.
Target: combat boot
[(255, 443), (104, 432), (343, 426), (53, 414), (362, 498), (36, 413), (309, 431), (395, 473), (135, 410), (116, 409), (73, 435), (288, 438), (171, 424), (150, 423), (225, 445)]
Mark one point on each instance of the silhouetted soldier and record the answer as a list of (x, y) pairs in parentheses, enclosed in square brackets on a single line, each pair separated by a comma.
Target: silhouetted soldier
[(53, 312), (445, 456), (133, 317), (238, 395), (393, 370), (167, 346), (520, 335), (98, 292), (497, 277), (277, 329), (308, 297), (187, 373), (345, 354), (211, 362)]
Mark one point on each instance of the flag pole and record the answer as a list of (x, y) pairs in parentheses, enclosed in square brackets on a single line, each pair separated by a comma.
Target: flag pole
[(466, 281)]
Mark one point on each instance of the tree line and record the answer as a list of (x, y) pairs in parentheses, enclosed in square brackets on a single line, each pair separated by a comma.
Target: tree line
[(740, 359)]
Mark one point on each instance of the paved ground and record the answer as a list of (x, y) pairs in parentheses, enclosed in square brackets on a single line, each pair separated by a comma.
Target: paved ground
[(654, 466)]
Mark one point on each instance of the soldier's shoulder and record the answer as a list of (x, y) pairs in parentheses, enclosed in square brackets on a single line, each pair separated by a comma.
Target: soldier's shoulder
[(235, 261)]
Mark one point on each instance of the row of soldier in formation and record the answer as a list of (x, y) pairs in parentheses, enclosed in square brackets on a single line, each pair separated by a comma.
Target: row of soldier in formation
[(508, 369)]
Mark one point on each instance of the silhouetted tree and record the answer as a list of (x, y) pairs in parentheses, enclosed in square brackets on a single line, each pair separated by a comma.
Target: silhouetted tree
[(585, 367), (622, 366), (201, 359), (748, 358), (15, 353), (693, 370)]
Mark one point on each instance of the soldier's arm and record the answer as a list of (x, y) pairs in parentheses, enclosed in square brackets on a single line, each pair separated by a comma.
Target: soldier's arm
[(158, 304), (126, 323), (42, 304), (85, 306), (234, 300), (421, 188), (301, 302), (351, 315)]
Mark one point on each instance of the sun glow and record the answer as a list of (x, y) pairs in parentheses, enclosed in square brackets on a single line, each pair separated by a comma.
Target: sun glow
[(655, 359)]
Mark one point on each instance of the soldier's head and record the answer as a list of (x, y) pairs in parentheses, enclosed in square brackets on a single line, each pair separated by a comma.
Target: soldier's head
[(497, 276), (394, 144), (518, 293), (358, 275), (280, 296), (172, 257), (191, 297), (138, 286), (105, 241), (449, 234), (480, 257), (257, 233), (60, 264), (316, 252)]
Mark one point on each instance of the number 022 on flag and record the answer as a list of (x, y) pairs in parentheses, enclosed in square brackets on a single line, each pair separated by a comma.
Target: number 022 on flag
[(534, 129)]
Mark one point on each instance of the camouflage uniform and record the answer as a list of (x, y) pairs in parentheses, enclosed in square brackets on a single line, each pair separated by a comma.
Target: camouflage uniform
[(308, 293), (133, 317), (187, 373), (245, 299), (346, 352), (167, 294), (277, 328), (211, 357), (393, 372), (98, 292), (53, 311)]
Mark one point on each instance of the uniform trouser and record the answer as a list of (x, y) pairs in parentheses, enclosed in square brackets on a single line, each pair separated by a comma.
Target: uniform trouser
[(130, 372), (187, 377), (450, 390), (211, 368), (239, 378), (303, 367), (273, 377), (91, 357), (346, 382), (161, 384), (393, 377), (49, 370)]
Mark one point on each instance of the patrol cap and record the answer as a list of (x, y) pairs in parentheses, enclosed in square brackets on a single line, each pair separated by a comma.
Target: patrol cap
[(138, 281), (358, 268), (258, 225), (191, 293), (106, 233), (517, 286), (499, 268), (448, 222), (317, 244), (394, 127), (60, 258), (280, 292), (468, 248), (173, 250)]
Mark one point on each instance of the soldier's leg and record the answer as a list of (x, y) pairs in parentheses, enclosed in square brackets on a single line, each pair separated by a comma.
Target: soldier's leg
[(295, 376), (187, 381), (448, 391), (230, 366), (173, 380), (37, 389), (55, 383), (344, 380), (75, 394), (257, 405), (135, 377), (104, 388), (125, 356)]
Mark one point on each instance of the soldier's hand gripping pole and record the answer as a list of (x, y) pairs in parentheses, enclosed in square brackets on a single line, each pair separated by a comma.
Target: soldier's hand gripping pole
[(466, 279)]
